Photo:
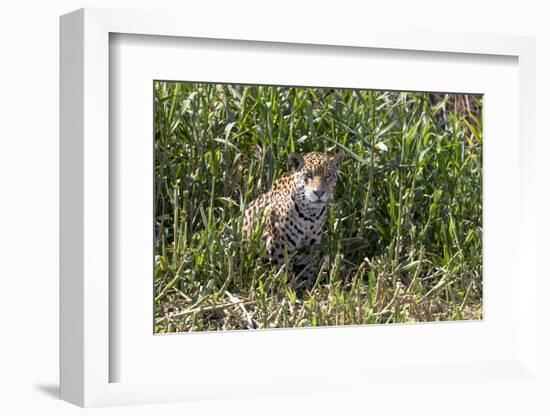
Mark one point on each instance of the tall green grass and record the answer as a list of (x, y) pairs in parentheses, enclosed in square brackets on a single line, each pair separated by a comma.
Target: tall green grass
[(403, 239)]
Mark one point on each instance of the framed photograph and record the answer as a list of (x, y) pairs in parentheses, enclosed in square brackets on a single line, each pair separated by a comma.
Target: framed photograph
[(279, 207), (282, 213)]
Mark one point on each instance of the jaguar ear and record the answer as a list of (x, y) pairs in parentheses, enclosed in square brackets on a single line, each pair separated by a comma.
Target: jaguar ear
[(296, 161), (339, 158)]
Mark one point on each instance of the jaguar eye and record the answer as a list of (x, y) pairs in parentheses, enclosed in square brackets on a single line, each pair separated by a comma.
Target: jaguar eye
[(309, 176)]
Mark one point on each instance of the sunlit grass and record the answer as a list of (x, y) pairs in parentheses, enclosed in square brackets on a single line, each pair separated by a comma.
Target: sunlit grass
[(403, 240)]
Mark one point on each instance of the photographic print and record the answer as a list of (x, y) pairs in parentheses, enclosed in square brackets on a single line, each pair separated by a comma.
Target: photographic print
[(293, 207)]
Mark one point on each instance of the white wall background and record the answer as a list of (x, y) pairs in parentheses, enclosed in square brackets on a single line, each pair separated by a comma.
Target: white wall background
[(29, 116)]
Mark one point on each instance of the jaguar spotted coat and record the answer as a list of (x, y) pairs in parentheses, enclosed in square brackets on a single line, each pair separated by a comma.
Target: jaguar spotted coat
[(294, 212)]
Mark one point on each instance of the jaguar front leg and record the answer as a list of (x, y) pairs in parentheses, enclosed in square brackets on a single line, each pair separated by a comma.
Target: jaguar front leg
[(306, 269), (279, 254)]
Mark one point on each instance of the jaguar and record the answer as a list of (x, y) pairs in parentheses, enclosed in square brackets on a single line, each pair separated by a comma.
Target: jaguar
[(293, 213)]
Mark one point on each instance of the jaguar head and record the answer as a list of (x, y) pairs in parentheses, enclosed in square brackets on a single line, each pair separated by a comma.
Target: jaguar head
[(315, 176)]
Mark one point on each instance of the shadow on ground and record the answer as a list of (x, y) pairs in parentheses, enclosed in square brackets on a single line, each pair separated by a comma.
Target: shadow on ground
[(51, 390)]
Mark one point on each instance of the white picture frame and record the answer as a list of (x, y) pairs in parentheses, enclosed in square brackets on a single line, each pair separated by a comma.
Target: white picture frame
[(86, 350)]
